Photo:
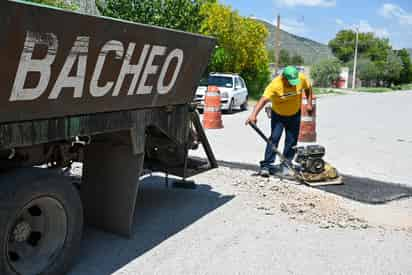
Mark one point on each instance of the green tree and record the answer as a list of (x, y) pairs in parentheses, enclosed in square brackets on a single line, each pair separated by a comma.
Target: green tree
[(241, 45), (367, 71), (176, 14), (220, 60), (56, 3), (391, 69), (370, 46), (224, 24), (325, 72), (377, 49), (406, 73), (343, 45)]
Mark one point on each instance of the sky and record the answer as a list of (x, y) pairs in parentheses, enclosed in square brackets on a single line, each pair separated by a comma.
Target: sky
[(320, 20)]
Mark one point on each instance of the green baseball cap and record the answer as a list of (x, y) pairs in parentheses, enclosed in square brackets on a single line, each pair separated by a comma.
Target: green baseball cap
[(292, 75)]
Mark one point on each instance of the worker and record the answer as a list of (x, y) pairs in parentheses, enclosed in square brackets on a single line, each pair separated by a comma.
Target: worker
[(285, 94)]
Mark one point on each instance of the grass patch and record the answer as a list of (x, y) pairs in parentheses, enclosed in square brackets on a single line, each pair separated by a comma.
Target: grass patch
[(325, 91), (373, 90), (404, 87)]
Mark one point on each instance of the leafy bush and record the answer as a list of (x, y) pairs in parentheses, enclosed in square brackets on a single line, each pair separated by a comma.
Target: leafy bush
[(176, 14), (325, 72), (240, 45), (56, 3)]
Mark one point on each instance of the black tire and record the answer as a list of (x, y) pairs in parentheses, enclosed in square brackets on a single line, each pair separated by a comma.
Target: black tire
[(22, 189), (230, 108), (245, 105)]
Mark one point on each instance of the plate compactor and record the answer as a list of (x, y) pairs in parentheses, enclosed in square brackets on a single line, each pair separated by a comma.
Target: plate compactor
[(310, 168)]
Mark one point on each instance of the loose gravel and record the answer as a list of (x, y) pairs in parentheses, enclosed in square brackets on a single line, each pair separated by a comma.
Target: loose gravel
[(300, 203)]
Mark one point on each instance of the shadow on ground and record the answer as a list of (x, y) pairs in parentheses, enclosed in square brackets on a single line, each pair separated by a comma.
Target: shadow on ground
[(161, 212), (360, 189)]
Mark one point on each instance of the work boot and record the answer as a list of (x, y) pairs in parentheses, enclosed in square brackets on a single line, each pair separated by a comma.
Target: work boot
[(285, 172), (264, 172)]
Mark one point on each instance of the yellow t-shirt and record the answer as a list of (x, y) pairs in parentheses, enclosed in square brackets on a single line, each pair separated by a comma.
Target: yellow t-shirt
[(286, 99)]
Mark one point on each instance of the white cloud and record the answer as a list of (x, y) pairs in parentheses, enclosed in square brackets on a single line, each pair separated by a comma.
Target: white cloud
[(339, 22), (364, 26), (307, 3), (389, 10)]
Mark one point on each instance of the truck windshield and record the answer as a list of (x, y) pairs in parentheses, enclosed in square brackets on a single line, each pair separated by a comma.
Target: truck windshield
[(220, 81)]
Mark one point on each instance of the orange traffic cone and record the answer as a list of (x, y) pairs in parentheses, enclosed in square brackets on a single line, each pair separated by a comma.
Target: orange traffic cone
[(212, 115), (307, 131)]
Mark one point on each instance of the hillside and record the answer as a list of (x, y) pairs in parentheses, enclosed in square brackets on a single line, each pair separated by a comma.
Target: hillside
[(410, 52), (310, 50)]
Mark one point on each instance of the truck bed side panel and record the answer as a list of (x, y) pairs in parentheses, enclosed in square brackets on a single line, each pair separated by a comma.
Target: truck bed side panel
[(173, 123), (74, 43)]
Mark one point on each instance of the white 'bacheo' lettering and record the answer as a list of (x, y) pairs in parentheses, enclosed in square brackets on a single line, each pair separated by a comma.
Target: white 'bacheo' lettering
[(150, 69), (78, 52), (73, 73), (178, 54), (95, 89), (28, 64), (128, 68)]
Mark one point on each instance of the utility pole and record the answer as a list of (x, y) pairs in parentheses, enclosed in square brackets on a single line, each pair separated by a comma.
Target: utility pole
[(355, 60), (277, 45)]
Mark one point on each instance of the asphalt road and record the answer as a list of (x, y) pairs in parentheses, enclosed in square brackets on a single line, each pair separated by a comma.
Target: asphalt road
[(220, 228), (366, 135)]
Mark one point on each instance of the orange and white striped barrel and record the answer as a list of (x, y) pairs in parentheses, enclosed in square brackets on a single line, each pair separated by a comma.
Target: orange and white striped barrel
[(212, 114), (307, 131)]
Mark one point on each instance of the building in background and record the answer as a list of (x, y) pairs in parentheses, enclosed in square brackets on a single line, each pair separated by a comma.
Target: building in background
[(343, 81)]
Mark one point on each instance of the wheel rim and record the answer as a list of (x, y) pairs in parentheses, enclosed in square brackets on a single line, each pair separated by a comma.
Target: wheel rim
[(231, 106), (37, 236), (245, 105)]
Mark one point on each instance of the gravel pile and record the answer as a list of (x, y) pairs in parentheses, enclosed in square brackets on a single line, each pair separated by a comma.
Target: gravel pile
[(299, 202)]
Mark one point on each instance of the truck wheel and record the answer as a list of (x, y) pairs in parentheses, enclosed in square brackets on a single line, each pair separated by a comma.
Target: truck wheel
[(41, 223)]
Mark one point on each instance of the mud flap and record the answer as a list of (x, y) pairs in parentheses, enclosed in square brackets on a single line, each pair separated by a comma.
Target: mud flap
[(110, 185)]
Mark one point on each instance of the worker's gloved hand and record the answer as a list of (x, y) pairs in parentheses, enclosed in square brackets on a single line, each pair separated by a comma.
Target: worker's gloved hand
[(252, 119)]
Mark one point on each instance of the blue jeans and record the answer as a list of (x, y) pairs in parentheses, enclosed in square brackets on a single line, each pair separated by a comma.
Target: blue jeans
[(291, 124)]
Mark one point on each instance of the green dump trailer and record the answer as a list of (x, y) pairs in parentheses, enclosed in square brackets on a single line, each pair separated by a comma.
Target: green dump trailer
[(111, 94)]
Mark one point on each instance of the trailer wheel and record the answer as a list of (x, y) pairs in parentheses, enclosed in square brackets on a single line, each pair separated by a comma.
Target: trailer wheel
[(41, 224)]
